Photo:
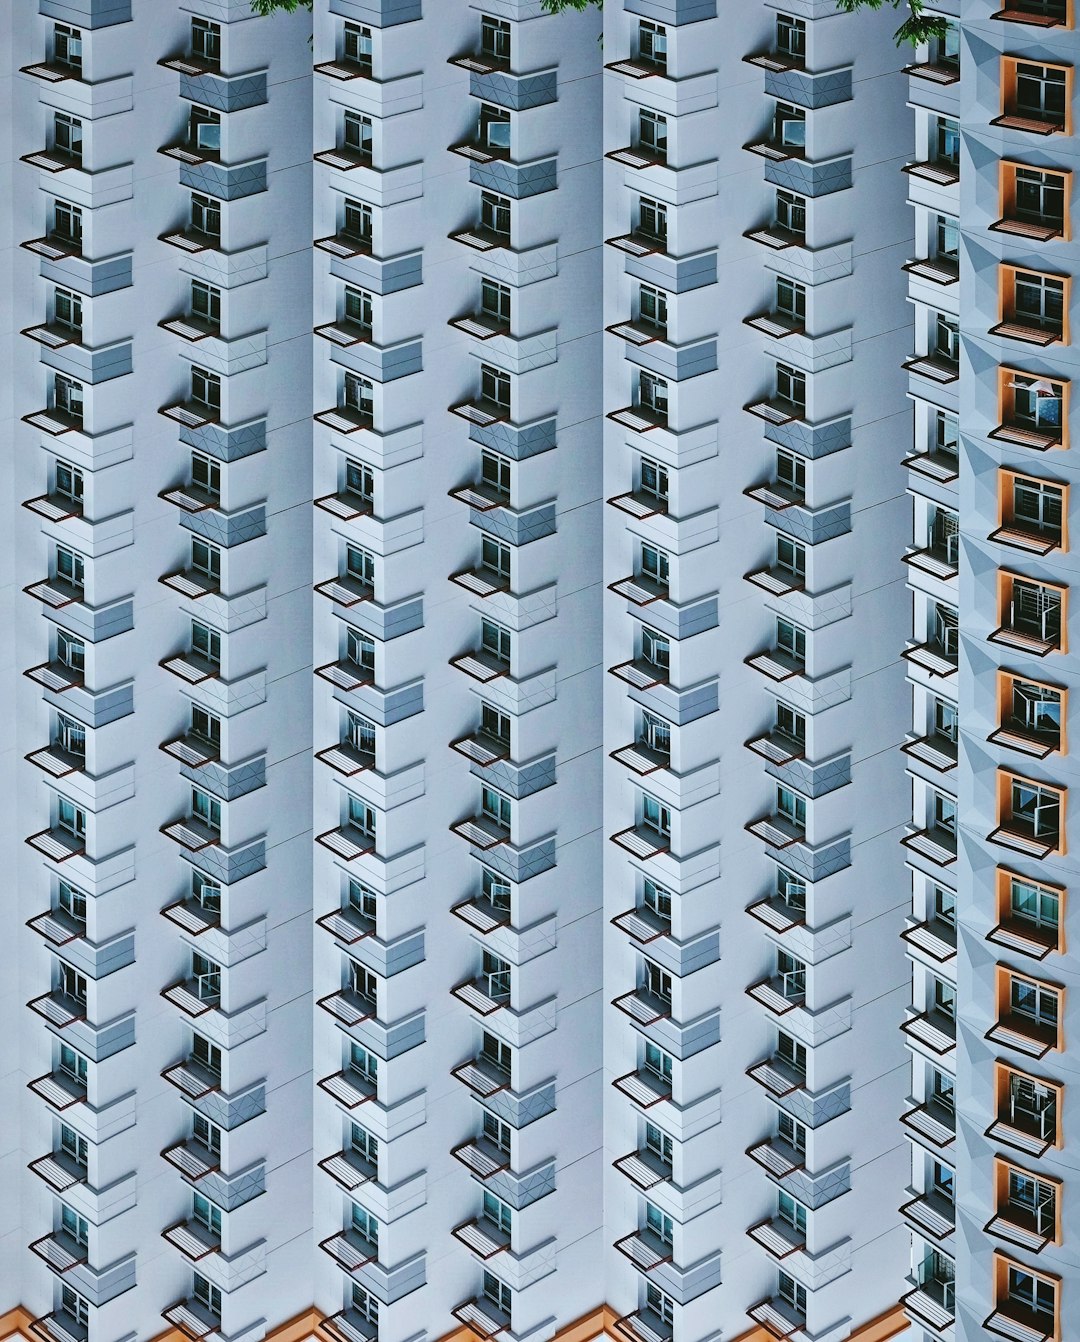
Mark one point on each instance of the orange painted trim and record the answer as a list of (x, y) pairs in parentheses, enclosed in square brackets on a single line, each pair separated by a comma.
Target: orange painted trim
[(597, 1323), (16, 1320), (297, 1329)]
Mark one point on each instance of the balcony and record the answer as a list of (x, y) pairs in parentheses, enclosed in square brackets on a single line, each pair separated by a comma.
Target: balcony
[(931, 1215), (350, 1250), (191, 240), (59, 1326), (481, 915), (191, 749), (345, 674), (481, 749), (938, 172), (1016, 734), (349, 1325), (192, 1319), (59, 1252), (192, 1159), (481, 1317), (642, 925), (644, 1326), (935, 72), (776, 412), (1038, 637), (1025, 1227), (191, 414), (59, 1009), (776, 581), (53, 160), (55, 676), (344, 157), (192, 1079), (347, 842), (777, 831), (639, 674), (190, 583), (774, 150), (348, 1169), (346, 759), (191, 668), (481, 832), (777, 1077), (56, 593), (191, 916), (344, 246), (639, 589), (483, 1237), (776, 238), (481, 412), (638, 418), (481, 1158), (638, 245), (190, 833), (1027, 540), (934, 367), (481, 239), (933, 1031), (643, 1007), (777, 1317), (643, 1168), (350, 1088), (933, 658), (482, 995), (1016, 933), (777, 1158), (1019, 835), (59, 1089), (777, 1237), (193, 1239), (638, 157), (59, 1170), (777, 748), (932, 1124), (941, 467), (345, 419), (644, 1087), (481, 1077), (776, 665), (477, 152), (54, 421), (1017, 1324), (934, 560), (935, 751), (642, 841), (941, 270), (781, 993), (931, 1304), (641, 758), (347, 925), (348, 1007), (57, 844), (639, 505), (193, 996), (646, 1251), (1024, 1034), (481, 582), (933, 938), (57, 762)]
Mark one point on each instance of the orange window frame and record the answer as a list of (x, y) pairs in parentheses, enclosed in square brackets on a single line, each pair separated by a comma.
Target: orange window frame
[(1006, 579), (1002, 1169), (1004, 877), (1007, 273), (1007, 82), (1005, 682), (1007, 478), (1002, 1072), (1010, 7), (1007, 399), (1007, 190), (1003, 976), (1005, 780), (1002, 1263)]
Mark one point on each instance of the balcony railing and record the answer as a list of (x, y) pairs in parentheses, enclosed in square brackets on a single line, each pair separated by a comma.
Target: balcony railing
[(938, 172), (642, 841), (191, 916), (348, 1169), (481, 1318), (933, 1030), (640, 674), (777, 1158), (936, 845), (481, 915), (191, 583), (344, 157), (59, 1326), (781, 993), (481, 749), (191, 668), (643, 1168), (484, 995), (57, 844), (1024, 935), (192, 1079), (1030, 1228), (934, 938), (350, 1250), (481, 832), (480, 666), (640, 589), (56, 593), (779, 1319), (192, 1318), (644, 1087), (348, 1006), (345, 419), (931, 1215), (777, 747), (59, 1252), (481, 412), (932, 1123), (644, 1326), (196, 996), (344, 245), (55, 421), (1025, 1126), (347, 842), (937, 752), (54, 676), (777, 1237), (193, 1239), (481, 1158), (935, 72), (638, 244), (641, 758), (1018, 1324), (57, 762), (639, 505), (344, 333), (345, 505), (345, 674), (943, 270), (1023, 1033), (350, 1088), (59, 1170), (643, 1007), (346, 758), (192, 749), (776, 830), (481, 1076), (59, 1089), (59, 1009), (347, 925), (345, 590), (483, 1237), (646, 1251), (192, 1159), (642, 924), (191, 833), (777, 1076), (480, 581), (1019, 835), (349, 1325)]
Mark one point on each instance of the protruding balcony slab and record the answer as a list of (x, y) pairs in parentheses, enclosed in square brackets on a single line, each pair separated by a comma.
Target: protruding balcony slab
[(643, 1087), (481, 1318), (481, 1077), (348, 1169), (58, 845), (643, 1169), (481, 833), (349, 1088), (931, 1125), (482, 1237), (481, 1158), (193, 1240), (930, 1215), (191, 1079), (58, 1089), (192, 834), (192, 1159), (642, 842), (349, 1250), (59, 1252), (347, 842), (645, 1254), (192, 1319)]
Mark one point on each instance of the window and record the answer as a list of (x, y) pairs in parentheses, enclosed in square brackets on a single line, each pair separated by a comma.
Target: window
[(206, 808), (206, 892), (495, 386), (73, 1225), (1026, 1200), (68, 397), (652, 220), (1035, 904), (791, 889), (359, 480), (789, 1290), (67, 47), (1030, 1297), (206, 642), (655, 898), (495, 723), (496, 1132), (653, 394), (206, 40), (356, 222), (791, 38), (206, 302), (1039, 93), (945, 50), (791, 213), (653, 479), (206, 559), (71, 818), (495, 972), (363, 1062), (206, 1213), (1038, 197), (791, 1130), (493, 129), (495, 557), (657, 982), (495, 215), (207, 1294), (72, 902), (659, 1063), (495, 473), (943, 812), (67, 310), (206, 977), (1028, 1104), (790, 1051), (496, 807), (206, 216), (361, 816), (1035, 709), (497, 1212), (946, 434), (791, 807), (791, 639), (72, 984), (70, 735), (1036, 1004), (495, 1052), (364, 1144), (655, 733), (1033, 810), (946, 338), (655, 564), (206, 474), (791, 386), (204, 130), (652, 308), (652, 45), (68, 138), (790, 723), (206, 388), (659, 1224), (658, 1143), (946, 141), (360, 566), (794, 1213), (495, 889), (942, 1181), (365, 1304), (360, 649), (365, 1225), (655, 648), (74, 1145), (74, 1306), (655, 815), (942, 1090), (791, 556), (495, 39), (495, 641), (362, 901), (791, 299), (356, 134), (67, 223), (356, 47), (73, 1064), (360, 733), (660, 1305), (946, 237), (70, 567), (495, 301), (789, 126), (1038, 301), (942, 997), (652, 134), (358, 394), (70, 651), (945, 629), (945, 719), (207, 1055), (497, 1293)]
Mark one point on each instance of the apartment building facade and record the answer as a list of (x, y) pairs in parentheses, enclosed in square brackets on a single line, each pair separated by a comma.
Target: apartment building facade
[(474, 844)]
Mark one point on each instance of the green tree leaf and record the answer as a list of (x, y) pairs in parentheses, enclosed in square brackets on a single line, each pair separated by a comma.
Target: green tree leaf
[(266, 7), (558, 6), (917, 28)]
